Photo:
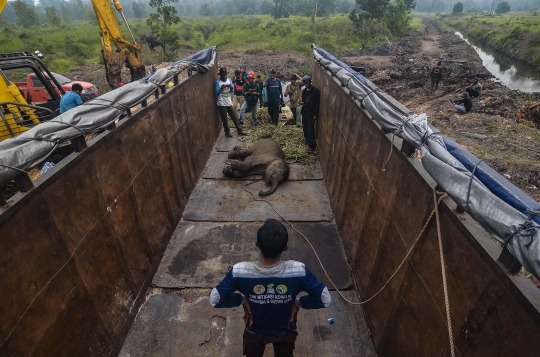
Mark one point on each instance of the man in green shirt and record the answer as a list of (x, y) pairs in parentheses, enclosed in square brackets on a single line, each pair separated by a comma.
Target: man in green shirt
[(252, 93), (294, 92)]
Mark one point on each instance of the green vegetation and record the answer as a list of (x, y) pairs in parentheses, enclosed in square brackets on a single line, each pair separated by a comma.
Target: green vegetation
[(394, 16), (76, 43), (289, 137), (458, 8), (502, 8), (515, 34), (161, 24), (416, 23)]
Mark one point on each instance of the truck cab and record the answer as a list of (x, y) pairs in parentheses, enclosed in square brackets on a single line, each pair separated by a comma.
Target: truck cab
[(35, 91), (16, 114)]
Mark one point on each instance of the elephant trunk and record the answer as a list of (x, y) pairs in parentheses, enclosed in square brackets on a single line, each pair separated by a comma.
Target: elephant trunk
[(271, 190)]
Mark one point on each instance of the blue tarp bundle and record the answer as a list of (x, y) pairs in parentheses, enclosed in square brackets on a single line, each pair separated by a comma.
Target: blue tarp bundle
[(494, 181)]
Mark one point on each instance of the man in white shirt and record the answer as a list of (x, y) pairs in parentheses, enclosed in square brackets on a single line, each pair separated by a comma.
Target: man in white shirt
[(224, 92)]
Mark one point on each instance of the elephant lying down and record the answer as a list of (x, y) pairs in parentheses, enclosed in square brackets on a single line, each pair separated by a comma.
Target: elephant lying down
[(265, 157)]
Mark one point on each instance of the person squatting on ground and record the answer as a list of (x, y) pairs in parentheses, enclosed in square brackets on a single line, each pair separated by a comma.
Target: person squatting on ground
[(436, 76), (464, 105), (238, 98), (268, 292), (274, 95), (223, 90), (311, 98), (294, 90), (252, 93), (72, 98), (475, 89)]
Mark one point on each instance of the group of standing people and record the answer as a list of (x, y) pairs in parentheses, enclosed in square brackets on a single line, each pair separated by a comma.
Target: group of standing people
[(464, 104), (245, 90)]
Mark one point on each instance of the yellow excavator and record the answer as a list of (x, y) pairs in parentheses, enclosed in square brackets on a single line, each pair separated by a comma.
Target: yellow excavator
[(126, 52), (17, 115)]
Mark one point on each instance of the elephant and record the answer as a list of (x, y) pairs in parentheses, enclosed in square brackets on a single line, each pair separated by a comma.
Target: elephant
[(152, 40), (265, 157)]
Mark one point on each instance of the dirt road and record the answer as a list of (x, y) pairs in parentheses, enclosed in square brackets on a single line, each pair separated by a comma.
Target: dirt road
[(491, 131)]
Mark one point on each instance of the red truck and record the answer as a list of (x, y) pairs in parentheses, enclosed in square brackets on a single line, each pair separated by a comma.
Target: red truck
[(34, 91)]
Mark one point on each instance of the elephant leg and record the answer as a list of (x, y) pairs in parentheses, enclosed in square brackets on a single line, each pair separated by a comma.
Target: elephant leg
[(239, 152), (240, 174), (245, 165), (230, 172)]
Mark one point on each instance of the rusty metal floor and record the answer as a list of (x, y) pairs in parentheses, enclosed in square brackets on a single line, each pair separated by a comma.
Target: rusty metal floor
[(218, 229)]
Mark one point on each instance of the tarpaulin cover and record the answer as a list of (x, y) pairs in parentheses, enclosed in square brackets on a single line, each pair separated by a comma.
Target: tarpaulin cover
[(328, 56), (34, 145), (483, 195), (494, 181)]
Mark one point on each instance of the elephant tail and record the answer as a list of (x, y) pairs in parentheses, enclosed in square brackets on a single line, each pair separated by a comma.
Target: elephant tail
[(271, 190)]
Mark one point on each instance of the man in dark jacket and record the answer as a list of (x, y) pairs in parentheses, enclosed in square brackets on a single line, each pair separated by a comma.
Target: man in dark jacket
[(464, 105), (274, 95), (268, 290), (311, 98)]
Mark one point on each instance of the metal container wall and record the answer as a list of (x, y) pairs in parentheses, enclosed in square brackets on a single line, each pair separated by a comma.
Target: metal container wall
[(379, 215), (79, 250)]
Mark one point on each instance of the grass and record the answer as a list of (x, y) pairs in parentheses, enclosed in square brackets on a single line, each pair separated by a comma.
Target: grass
[(511, 33), (78, 43), (416, 23)]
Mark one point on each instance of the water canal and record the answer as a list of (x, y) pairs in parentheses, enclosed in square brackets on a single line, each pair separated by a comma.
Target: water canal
[(514, 75)]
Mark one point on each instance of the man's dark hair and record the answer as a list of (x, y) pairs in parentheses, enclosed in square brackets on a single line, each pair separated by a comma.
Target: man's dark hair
[(272, 238), (76, 86)]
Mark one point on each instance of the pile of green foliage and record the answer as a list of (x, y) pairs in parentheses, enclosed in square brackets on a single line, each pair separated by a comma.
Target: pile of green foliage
[(289, 137)]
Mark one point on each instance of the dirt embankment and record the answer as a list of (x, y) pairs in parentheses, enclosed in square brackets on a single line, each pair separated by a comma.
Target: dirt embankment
[(499, 129)]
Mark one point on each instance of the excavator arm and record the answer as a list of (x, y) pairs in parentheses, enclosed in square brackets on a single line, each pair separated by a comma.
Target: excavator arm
[(126, 52)]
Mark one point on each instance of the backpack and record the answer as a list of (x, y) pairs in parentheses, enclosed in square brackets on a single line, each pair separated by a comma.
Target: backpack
[(238, 87)]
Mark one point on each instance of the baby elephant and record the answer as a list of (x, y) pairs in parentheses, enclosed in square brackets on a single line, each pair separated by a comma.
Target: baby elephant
[(265, 157)]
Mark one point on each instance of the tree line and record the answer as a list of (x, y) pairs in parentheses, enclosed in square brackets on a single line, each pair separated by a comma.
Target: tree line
[(476, 6), (27, 13)]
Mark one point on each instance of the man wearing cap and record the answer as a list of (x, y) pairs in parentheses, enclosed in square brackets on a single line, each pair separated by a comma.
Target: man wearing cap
[(224, 92), (274, 95), (72, 98), (252, 94), (464, 105), (294, 92), (238, 98), (436, 76), (311, 98), (475, 89)]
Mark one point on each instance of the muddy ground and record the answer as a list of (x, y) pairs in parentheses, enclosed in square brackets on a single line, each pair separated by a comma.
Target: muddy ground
[(498, 129)]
